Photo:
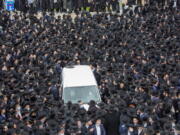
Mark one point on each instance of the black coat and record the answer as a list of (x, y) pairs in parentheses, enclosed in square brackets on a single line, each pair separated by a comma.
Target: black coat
[(112, 123)]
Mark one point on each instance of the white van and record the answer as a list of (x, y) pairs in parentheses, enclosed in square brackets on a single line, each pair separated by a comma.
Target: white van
[(79, 84)]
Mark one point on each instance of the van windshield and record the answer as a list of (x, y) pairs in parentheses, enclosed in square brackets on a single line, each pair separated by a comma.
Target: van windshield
[(84, 94)]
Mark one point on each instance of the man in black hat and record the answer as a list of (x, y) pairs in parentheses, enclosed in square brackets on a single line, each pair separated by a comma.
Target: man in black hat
[(135, 57)]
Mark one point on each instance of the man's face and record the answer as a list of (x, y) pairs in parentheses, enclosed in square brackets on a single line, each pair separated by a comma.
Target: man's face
[(3, 111), (89, 122), (98, 122), (79, 123), (150, 120), (5, 99), (27, 107), (135, 120), (5, 128), (121, 85)]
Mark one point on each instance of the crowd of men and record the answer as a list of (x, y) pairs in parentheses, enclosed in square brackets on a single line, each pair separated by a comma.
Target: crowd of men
[(134, 56), (82, 5)]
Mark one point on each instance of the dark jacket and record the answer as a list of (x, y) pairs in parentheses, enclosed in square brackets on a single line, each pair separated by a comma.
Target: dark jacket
[(103, 132), (112, 123), (86, 131), (2, 118), (123, 129), (54, 91)]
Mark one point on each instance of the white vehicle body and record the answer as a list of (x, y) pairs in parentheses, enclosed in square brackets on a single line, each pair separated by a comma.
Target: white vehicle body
[(79, 84)]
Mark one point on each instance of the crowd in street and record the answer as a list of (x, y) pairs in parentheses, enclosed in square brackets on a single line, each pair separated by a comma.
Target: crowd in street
[(83, 5), (134, 56)]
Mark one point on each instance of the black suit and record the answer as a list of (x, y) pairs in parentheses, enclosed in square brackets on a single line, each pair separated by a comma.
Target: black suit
[(86, 131)]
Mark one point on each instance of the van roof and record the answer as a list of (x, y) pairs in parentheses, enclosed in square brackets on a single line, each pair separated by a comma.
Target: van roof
[(78, 75)]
